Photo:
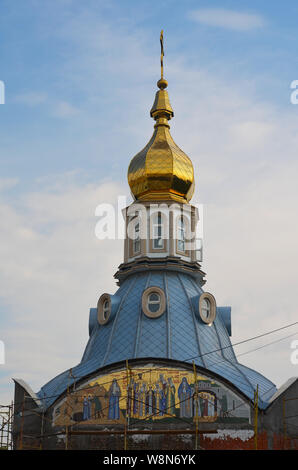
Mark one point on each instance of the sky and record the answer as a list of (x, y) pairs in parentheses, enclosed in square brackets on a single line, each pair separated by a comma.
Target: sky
[(80, 79)]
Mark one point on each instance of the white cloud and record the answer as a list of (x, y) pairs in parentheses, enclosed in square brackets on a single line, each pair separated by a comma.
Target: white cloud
[(61, 109), (31, 98), (7, 183), (64, 110), (56, 270), (228, 19)]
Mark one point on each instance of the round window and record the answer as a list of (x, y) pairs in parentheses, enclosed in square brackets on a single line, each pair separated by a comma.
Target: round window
[(153, 302), (104, 309), (207, 308)]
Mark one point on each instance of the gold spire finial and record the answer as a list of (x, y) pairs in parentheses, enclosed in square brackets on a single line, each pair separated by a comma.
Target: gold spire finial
[(162, 83), (161, 171)]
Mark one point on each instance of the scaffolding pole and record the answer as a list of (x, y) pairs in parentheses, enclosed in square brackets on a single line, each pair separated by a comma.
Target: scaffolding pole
[(197, 403), (10, 424), (6, 413), (2, 427), (140, 431), (126, 424)]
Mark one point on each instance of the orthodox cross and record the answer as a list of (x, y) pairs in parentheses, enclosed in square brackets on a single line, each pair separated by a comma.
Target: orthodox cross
[(161, 53)]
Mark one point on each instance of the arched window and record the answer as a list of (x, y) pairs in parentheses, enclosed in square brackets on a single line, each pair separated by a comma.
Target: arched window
[(137, 241), (157, 231), (181, 234)]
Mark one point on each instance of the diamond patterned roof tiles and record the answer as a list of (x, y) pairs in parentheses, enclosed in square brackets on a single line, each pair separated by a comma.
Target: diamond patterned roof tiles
[(178, 334)]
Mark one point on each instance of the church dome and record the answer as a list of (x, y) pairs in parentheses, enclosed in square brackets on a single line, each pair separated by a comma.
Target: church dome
[(161, 171), (178, 334)]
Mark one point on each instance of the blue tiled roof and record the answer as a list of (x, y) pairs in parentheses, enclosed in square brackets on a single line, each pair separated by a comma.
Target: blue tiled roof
[(178, 334)]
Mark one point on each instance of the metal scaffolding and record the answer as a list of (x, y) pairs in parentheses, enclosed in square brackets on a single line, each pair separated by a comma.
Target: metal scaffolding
[(6, 416), (199, 436)]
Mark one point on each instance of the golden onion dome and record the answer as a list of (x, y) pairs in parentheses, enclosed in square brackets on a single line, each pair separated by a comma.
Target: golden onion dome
[(161, 171)]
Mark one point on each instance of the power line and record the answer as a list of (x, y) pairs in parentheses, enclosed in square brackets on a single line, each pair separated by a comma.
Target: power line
[(243, 341), (188, 359)]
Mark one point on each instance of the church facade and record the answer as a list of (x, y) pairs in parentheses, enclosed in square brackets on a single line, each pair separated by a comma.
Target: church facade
[(159, 358)]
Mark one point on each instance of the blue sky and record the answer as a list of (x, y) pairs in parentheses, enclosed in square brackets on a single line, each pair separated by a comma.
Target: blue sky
[(80, 79), (45, 47)]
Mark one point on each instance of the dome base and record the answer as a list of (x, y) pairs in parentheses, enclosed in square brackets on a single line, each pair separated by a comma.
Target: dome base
[(161, 196), (169, 263)]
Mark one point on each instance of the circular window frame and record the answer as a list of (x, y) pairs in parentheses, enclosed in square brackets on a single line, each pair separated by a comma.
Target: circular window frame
[(100, 309), (146, 293), (211, 298)]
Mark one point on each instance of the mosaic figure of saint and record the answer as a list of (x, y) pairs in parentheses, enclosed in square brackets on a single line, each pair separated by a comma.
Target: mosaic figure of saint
[(98, 412), (162, 381), (160, 400), (86, 408), (185, 399), (205, 405), (170, 397), (211, 405), (90, 406), (142, 400), (157, 397), (197, 411), (114, 395), (150, 401), (136, 399), (130, 389)]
